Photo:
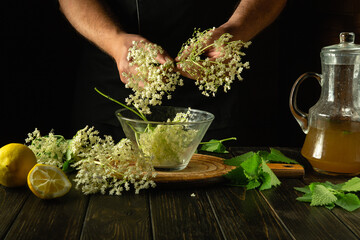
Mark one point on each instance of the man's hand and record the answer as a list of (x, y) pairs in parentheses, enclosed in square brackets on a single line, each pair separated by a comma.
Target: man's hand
[(248, 19), (122, 59), (93, 19), (210, 52)]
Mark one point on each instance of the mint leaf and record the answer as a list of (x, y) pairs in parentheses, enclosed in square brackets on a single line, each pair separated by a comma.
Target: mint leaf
[(263, 154), (252, 171), (313, 184), (307, 197), (273, 180), (330, 195), (237, 177), (321, 196), (353, 185), (67, 168), (266, 181), (252, 184), (349, 202), (336, 187), (277, 156), (236, 161), (305, 189), (251, 166), (330, 206), (214, 146)]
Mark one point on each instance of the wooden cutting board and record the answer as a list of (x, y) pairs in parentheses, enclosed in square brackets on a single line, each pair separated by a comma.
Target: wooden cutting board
[(210, 169)]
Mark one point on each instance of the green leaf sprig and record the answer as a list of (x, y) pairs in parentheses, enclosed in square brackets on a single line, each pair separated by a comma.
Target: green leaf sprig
[(252, 170), (330, 195), (137, 112), (215, 146)]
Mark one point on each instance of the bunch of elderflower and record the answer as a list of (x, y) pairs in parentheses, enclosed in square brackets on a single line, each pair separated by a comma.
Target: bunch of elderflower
[(152, 80), (107, 166), (166, 144), (210, 73), (83, 141), (51, 149), (102, 165)]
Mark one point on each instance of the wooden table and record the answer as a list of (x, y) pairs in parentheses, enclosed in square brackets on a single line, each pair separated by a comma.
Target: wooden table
[(203, 212)]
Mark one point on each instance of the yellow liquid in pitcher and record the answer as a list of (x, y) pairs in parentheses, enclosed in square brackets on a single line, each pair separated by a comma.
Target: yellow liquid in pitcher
[(333, 147)]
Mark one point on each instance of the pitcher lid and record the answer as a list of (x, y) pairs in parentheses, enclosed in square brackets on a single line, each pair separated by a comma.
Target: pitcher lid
[(347, 44), (346, 52)]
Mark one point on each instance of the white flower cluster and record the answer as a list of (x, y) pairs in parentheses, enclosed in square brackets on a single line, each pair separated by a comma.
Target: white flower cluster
[(210, 73), (102, 165), (109, 166), (51, 149), (152, 80), (166, 144), (182, 116)]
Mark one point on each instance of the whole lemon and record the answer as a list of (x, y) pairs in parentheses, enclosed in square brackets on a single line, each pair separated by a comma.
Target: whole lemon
[(16, 160)]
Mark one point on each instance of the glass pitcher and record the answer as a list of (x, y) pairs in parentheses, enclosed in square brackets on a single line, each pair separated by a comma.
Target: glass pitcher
[(332, 126)]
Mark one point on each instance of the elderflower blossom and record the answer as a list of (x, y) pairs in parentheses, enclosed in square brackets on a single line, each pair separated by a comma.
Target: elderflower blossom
[(210, 74), (51, 149), (114, 168), (81, 143), (166, 144), (152, 80), (102, 165)]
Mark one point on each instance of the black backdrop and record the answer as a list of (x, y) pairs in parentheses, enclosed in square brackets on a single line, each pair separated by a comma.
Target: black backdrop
[(40, 52)]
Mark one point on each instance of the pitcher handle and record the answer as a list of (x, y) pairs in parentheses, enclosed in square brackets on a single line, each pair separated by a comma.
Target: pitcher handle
[(300, 116)]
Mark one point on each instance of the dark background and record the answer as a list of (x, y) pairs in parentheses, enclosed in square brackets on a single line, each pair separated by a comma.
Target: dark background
[(40, 52)]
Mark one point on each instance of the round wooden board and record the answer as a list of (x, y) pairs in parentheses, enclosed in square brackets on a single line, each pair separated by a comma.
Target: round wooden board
[(201, 167)]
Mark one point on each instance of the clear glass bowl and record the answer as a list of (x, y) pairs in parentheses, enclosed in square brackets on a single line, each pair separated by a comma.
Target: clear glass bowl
[(169, 145)]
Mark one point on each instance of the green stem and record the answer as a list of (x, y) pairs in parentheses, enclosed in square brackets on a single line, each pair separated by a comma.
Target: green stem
[(203, 50), (210, 62), (223, 140), (227, 139), (199, 65), (138, 113), (109, 167)]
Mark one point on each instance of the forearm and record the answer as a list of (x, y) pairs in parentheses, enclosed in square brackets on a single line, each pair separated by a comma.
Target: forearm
[(252, 16), (92, 20)]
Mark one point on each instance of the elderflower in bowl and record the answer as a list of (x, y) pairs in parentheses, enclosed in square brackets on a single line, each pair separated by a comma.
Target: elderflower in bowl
[(168, 137)]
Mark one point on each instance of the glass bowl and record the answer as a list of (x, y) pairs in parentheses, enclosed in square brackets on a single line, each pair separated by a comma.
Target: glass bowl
[(169, 145)]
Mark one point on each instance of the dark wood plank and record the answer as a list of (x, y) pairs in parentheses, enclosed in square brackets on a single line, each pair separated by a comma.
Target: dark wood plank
[(183, 214), (11, 202), (245, 215), (60, 218), (118, 217), (303, 221), (350, 219)]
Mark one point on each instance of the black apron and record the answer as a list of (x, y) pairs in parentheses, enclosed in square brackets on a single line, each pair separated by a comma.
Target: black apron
[(168, 23)]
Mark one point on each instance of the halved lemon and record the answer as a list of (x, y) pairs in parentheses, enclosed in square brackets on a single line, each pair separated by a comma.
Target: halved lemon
[(47, 181)]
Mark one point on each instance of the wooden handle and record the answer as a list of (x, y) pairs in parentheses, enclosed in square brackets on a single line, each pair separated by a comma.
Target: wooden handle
[(283, 170)]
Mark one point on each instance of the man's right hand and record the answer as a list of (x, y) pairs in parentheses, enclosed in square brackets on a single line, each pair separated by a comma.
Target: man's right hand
[(121, 55)]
